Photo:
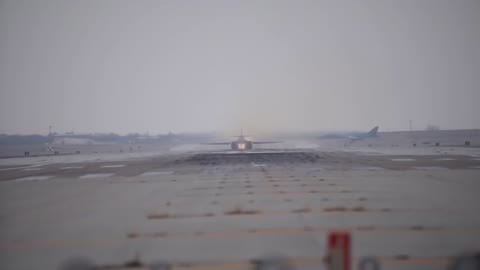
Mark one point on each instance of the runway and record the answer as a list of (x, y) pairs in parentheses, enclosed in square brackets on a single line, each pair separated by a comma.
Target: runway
[(221, 209)]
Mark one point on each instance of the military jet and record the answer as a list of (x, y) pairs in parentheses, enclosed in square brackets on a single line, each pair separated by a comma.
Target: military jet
[(242, 143)]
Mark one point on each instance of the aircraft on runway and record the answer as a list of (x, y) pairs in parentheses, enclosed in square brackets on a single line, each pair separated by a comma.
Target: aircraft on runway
[(353, 136), (242, 143)]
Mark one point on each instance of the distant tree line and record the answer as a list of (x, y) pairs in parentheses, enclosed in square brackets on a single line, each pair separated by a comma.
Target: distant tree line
[(24, 139), (6, 139)]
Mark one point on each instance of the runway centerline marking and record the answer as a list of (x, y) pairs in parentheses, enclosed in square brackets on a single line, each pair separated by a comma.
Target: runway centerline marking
[(71, 167), (403, 159), (9, 169), (426, 168), (113, 166), (95, 175), (34, 178), (155, 173)]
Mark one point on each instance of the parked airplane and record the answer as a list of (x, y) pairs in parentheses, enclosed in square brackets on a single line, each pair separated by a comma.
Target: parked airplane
[(242, 143), (353, 136)]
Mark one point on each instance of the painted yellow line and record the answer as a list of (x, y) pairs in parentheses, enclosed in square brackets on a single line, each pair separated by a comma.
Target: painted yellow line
[(280, 231), (253, 212), (224, 234), (300, 261), (416, 261), (62, 243), (214, 266), (274, 192), (312, 261), (245, 264)]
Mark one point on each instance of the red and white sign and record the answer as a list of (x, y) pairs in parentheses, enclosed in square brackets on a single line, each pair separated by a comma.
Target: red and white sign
[(339, 250)]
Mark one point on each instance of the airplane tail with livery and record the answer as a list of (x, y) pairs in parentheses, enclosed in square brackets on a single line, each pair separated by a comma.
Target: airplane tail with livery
[(373, 132), (353, 136)]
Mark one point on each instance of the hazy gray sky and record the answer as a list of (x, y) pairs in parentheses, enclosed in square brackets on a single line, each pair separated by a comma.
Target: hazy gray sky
[(179, 66)]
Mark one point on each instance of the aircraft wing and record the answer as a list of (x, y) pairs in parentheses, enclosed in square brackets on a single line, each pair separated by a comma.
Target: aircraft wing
[(218, 143), (266, 142)]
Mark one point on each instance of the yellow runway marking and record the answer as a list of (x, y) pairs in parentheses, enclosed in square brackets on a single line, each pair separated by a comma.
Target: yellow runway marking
[(299, 261), (254, 212), (62, 243), (273, 192), (416, 261), (313, 260), (134, 236)]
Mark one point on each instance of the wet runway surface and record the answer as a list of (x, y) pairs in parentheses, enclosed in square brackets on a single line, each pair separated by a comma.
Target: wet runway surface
[(219, 210)]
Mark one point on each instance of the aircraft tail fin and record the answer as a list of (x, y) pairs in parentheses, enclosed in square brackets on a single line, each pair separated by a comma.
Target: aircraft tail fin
[(373, 132), (241, 134)]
